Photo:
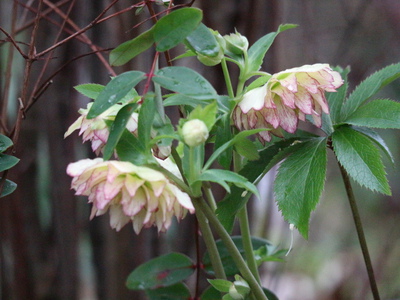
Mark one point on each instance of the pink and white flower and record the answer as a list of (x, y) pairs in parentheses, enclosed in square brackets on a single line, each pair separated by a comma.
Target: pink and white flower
[(286, 98), (131, 193), (96, 129)]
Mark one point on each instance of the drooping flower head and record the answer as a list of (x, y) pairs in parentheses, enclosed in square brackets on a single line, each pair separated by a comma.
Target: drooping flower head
[(96, 129), (287, 97), (131, 193)]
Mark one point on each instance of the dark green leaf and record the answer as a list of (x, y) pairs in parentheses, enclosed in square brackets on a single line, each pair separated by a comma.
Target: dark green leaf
[(178, 291), (5, 143), (117, 128), (130, 49), (185, 81), (8, 188), (90, 90), (360, 158), (380, 113), (114, 91), (224, 135), (246, 148), (222, 177), (159, 272), (7, 162), (180, 99), (377, 139), (173, 28), (300, 181), (369, 87), (336, 100), (220, 284), (269, 157), (203, 41), (258, 49), (211, 294), (146, 117), (227, 261), (129, 148)]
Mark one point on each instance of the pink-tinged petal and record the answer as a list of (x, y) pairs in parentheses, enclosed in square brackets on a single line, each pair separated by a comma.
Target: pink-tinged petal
[(304, 101), (252, 118), (289, 82), (287, 97), (254, 99), (117, 217), (132, 206), (149, 174), (152, 200), (111, 189), (317, 115), (288, 118), (271, 116), (77, 168), (158, 187), (132, 184), (320, 99), (183, 199), (74, 126), (308, 82), (137, 221)]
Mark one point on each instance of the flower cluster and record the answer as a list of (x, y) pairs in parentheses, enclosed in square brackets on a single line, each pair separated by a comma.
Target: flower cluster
[(131, 193), (286, 98), (96, 129)]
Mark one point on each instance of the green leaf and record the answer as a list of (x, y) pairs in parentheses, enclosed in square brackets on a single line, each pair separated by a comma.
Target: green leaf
[(114, 91), (185, 81), (173, 28), (178, 291), (180, 99), (207, 114), (226, 258), (258, 82), (129, 148), (269, 157), (8, 188), (258, 49), (7, 162), (380, 113), (223, 136), (360, 158), (300, 181), (211, 294), (220, 284), (246, 148), (377, 139), (223, 176), (203, 41), (90, 90), (162, 271), (5, 143), (369, 87), (130, 49), (117, 128), (336, 100), (146, 117)]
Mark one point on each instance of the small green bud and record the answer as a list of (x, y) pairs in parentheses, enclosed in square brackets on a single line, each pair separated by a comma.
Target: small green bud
[(194, 132), (236, 43)]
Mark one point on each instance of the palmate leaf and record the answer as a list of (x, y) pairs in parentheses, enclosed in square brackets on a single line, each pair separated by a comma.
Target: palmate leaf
[(380, 113), (162, 271), (117, 128), (115, 91), (300, 181), (173, 28), (360, 158), (130, 49), (368, 88), (258, 49), (269, 157), (185, 81)]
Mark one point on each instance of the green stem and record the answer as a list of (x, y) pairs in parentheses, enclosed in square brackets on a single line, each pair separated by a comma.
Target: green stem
[(245, 227), (227, 78), (231, 247), (211, 245), (246, 240), (360, 233)]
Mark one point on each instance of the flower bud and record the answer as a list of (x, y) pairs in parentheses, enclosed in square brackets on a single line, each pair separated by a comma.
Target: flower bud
[(194, 132), (236, 43)]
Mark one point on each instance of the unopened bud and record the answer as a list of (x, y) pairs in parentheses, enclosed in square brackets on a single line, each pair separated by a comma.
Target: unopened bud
[(236, 43), (194, 132)]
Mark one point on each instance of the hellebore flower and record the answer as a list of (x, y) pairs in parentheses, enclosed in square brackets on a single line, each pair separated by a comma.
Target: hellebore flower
[(96, 129), (287, 97), (131, 193)]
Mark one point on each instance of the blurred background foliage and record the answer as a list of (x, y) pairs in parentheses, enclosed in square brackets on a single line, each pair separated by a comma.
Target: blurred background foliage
[(48, 247)]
